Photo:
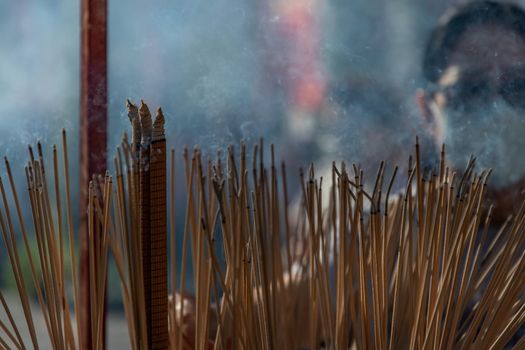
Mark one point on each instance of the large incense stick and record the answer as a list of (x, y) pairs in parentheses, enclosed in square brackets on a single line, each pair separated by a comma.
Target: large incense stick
[(159, 241), (145, 209)]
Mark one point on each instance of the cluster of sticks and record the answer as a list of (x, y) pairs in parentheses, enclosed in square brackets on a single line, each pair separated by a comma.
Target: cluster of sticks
[(342, 268), (52, 271)]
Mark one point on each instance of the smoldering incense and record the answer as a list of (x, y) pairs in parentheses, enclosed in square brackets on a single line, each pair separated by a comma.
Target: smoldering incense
[(341, 268), (158, 238)]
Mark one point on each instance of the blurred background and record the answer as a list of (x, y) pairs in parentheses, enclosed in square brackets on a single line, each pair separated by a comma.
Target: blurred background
[(322, 80)]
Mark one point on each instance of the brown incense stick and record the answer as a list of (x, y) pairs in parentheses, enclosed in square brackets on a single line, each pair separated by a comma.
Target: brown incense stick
[(158, 238), (145, 209)]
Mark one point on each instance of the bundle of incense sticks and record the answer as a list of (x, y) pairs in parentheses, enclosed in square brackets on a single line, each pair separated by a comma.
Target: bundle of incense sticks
[(51, 226), (344, 268), (148, 148), (348, 269)]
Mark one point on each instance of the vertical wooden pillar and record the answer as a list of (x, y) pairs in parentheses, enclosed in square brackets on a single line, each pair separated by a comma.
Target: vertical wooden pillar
[(93, 129)]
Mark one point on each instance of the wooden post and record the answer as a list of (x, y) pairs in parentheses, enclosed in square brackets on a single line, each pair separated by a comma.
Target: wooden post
[(93, 129)]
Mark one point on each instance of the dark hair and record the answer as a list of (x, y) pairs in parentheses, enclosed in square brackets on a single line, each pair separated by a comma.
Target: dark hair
[(456, 22)]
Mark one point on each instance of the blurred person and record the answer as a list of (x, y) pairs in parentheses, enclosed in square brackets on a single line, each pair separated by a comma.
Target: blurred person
[(474, 101)]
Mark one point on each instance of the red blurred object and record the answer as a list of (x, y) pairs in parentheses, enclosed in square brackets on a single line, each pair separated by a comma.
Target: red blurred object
[(306, 71)]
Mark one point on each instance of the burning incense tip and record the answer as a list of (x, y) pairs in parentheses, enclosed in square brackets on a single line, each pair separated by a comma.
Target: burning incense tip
[(160, 115), (133, 115), (133, 110), (145, 123), (158, 126)]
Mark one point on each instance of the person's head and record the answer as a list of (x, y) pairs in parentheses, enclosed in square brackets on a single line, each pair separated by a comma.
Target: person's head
[(474, 102)]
